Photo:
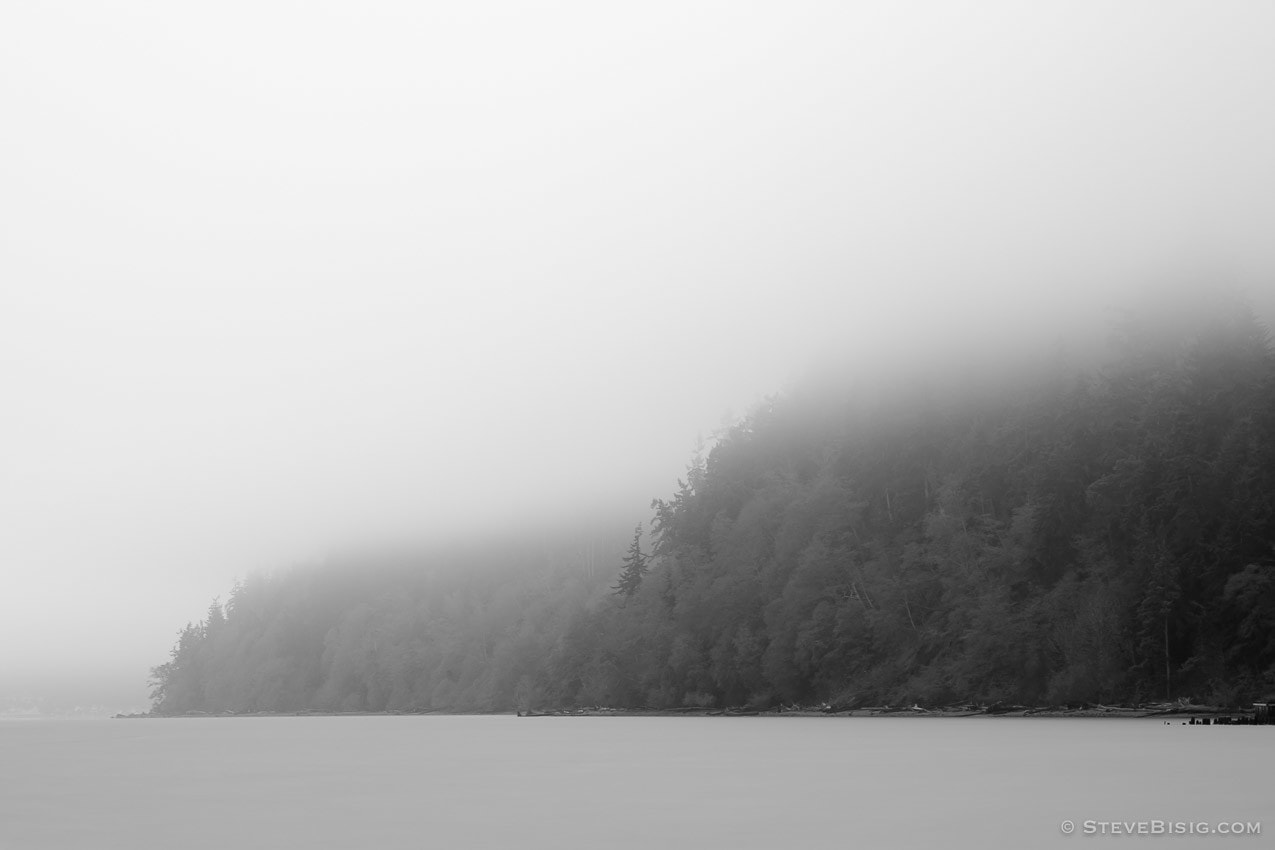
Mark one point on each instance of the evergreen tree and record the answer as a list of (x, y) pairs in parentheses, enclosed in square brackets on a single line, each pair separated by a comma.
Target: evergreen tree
[(635, 567)]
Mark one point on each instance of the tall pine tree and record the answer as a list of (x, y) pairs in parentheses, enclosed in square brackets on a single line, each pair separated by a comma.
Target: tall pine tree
[(635, 567)]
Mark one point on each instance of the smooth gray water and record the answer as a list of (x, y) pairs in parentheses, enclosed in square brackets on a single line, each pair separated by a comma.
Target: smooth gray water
[(620, 782)]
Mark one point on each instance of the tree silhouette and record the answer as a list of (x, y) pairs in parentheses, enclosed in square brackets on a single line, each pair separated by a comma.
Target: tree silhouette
[(635, 567)]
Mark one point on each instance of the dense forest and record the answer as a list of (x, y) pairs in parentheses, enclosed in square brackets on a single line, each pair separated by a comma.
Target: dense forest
[(1061, 535)]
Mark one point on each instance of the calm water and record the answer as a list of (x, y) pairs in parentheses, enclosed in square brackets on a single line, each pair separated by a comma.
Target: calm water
[(620, 782)]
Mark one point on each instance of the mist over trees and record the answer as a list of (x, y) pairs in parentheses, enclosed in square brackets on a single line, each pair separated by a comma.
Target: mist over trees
[(1077, 535)]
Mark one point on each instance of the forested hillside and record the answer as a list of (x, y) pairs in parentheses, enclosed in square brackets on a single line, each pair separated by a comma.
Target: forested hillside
[(1095, 535)]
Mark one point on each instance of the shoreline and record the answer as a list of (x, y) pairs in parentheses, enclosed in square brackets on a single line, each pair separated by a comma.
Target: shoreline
[(1187, 714)]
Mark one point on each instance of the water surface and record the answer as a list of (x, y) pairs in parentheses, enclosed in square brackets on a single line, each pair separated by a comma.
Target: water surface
[(619, 782)]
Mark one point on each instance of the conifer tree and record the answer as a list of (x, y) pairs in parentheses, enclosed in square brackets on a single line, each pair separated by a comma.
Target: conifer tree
[(635, 567)]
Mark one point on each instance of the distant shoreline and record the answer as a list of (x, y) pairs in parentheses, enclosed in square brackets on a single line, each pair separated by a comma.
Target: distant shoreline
[(1185, 714)]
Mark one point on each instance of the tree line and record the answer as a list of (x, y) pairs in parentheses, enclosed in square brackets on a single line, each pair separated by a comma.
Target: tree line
[(1104, 534)]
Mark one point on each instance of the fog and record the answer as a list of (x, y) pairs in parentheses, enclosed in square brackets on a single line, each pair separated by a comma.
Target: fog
[(275, 277)]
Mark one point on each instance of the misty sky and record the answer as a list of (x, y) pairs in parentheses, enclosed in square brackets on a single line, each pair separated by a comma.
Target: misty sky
[(275, 276)]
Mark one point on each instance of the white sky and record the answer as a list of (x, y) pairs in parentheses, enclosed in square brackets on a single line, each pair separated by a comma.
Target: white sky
[(275, 274)]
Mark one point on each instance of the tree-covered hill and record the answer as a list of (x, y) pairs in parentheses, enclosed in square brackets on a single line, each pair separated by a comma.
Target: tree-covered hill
[(1094, 535)]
